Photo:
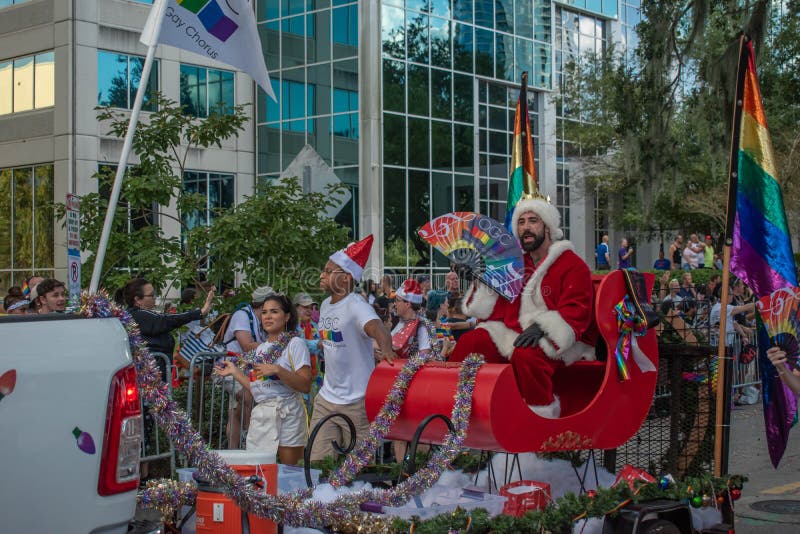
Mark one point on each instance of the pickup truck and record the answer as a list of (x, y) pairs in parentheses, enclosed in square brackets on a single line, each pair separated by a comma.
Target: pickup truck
[(70, 425)]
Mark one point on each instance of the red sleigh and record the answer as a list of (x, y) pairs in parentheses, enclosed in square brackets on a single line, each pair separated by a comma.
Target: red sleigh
[(598, 411)]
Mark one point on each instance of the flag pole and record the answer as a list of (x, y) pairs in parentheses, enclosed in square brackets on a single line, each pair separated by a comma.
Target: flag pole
[(126, 150), (722, 426)]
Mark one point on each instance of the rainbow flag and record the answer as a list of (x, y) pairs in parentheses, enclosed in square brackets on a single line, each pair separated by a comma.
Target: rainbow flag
[(523, 170), (762, 248)]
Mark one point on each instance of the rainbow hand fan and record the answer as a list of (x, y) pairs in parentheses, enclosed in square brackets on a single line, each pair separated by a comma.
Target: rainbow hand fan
[(482, 244), (779, 311)]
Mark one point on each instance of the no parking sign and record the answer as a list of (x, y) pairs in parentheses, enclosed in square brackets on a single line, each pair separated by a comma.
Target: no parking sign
[(74, 247)]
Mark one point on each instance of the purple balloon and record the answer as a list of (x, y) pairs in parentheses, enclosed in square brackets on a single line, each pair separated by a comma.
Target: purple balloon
[(84, 440)]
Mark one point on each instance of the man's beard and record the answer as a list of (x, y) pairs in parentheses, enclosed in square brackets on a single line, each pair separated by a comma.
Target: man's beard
[(531, 246)]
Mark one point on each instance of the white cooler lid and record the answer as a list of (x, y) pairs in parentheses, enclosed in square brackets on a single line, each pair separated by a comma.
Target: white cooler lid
[(241, 457)]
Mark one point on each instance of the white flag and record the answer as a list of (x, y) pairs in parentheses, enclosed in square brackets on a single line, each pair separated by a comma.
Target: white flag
[(224, 30)]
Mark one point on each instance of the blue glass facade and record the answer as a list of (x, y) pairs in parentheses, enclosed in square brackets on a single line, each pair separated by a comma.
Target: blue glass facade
[(448, 70), (311, 50)]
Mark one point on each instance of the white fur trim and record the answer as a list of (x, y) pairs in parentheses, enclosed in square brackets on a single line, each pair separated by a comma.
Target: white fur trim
[(502, 336), (558, 332), (578, 351), (413, 298), (548, 411), (532, 303), (548, 213), (479, 302), (346, 262)]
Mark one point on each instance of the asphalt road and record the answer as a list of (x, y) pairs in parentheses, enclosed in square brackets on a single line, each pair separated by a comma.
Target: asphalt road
[(748, 456)]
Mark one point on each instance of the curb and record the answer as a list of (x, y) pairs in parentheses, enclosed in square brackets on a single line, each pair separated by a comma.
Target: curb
[(743, 510)]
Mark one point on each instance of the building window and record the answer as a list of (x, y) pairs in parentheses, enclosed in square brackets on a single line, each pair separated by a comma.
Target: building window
[(217, 188), (206, 90), (27, 83), (26, 223), (496, 111), (118, 77), (577, 35)]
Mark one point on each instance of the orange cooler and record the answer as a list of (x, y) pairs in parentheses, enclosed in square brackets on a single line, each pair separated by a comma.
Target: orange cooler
[(218, 514)]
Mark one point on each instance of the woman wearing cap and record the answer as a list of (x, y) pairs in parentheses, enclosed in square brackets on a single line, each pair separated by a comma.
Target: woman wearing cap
[(409, 335), (309, 331)]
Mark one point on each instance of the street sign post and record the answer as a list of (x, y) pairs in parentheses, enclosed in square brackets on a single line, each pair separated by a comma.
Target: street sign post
[(74, 248)]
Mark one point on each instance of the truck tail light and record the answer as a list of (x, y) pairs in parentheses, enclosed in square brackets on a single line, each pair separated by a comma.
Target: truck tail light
[(119, 463)]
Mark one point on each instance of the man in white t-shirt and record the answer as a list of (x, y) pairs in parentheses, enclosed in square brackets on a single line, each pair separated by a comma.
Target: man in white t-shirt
[(243, 334), (347, 327)]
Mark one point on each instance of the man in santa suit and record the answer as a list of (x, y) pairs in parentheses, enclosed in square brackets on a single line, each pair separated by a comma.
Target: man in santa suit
[(550, 324)]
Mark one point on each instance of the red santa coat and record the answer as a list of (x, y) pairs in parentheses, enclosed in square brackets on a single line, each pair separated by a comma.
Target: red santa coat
[(557, 295)]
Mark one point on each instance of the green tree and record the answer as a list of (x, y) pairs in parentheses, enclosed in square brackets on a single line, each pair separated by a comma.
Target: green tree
[(280, 236), (655, 134), (138, 246)]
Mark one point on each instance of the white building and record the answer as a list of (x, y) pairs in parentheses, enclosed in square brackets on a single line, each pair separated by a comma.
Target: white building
[(413, 110)]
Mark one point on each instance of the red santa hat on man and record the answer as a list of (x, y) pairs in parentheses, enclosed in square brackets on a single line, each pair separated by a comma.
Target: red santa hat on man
[(410, 291), (353, 258), (541, 207)]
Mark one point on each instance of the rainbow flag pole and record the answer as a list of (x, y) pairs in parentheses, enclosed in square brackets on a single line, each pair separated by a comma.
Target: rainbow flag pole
[(758, 249), (522, 181)]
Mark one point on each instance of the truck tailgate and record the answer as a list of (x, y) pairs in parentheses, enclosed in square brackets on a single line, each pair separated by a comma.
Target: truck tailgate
[(52, 425)]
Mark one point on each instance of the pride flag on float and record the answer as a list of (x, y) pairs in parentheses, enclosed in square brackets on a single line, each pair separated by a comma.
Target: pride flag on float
[(523, 169), (224, 30), (761, 254)]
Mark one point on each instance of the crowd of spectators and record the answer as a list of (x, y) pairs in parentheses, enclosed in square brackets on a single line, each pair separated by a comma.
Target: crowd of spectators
[(694, 254), (35, 295), (699, 308)]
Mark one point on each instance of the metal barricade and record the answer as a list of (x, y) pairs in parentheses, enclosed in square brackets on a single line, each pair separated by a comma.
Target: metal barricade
[(155, 443), (218, 407)]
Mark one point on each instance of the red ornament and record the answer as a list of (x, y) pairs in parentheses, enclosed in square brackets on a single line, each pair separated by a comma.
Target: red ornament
[(591, 494), (736, 493)]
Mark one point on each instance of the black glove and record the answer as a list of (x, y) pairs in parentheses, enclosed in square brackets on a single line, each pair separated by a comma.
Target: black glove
[(530, 336)]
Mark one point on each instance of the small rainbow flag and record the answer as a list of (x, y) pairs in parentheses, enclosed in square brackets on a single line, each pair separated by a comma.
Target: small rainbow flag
[(331, 335), (26, 290), (762, 248), (523, 169)]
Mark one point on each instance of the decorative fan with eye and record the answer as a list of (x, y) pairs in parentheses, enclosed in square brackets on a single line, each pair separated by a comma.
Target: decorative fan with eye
[(482, 244), (779, 312)]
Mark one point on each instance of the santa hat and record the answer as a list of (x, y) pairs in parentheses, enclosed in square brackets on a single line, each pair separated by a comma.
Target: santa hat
[(410, 291), (354, 257), (544, 209)]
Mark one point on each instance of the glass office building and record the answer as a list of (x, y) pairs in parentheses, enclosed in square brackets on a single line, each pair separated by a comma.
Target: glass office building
[(411, 103)]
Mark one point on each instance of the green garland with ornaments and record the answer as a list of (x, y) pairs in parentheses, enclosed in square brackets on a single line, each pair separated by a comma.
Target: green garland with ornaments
[(559, 516), (562, 514)]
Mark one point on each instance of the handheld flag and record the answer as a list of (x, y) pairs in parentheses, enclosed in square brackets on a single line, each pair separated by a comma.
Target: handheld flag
[(224, 30), (523, 181), (761, 254)]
